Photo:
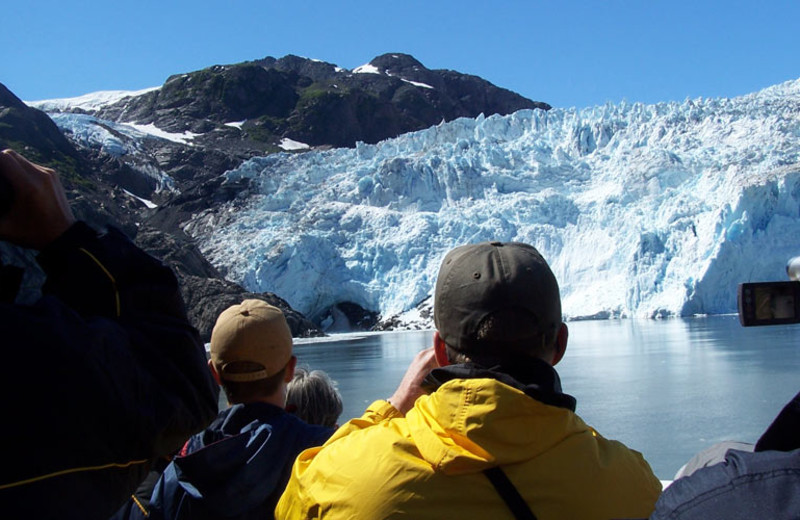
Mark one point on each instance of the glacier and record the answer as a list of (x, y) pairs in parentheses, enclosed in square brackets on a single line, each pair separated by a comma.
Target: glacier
[(642, 211), (117, 140)]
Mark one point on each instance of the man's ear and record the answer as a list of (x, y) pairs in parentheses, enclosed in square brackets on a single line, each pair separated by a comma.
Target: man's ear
[(214, 372), (290, 366), (440, 350), (561, 344)]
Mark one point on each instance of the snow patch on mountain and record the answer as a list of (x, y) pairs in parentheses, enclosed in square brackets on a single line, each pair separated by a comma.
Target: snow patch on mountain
[(372, 69), (416, 83), (88, 102), (366, 69), (290, 145), (151, 129), (148, 203)]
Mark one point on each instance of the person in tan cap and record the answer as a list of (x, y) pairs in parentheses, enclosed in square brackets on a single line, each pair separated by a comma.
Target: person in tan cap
[(238, 466), (487, 434)]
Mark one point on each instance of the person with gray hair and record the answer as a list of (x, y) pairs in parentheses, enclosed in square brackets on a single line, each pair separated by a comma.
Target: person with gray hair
[(313, 397)]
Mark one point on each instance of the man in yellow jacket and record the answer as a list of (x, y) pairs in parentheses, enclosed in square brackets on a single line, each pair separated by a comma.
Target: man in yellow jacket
[(487, 434)]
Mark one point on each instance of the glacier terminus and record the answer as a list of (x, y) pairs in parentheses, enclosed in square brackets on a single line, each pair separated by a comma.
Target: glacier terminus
[(642, 211)]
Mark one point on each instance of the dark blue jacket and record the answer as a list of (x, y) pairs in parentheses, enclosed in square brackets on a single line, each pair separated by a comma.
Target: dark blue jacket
[(101, 376), (746, 485), (237, 468)]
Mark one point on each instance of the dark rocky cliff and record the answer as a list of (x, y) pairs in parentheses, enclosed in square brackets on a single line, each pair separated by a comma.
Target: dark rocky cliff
[(314, 102), (96, 199)]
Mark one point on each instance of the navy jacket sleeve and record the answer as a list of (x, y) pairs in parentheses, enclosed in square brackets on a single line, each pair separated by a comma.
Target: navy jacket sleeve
[(745, 486), (101, 376)]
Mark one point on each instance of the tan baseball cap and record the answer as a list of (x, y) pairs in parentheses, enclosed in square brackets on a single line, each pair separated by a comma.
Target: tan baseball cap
[(253, 331)]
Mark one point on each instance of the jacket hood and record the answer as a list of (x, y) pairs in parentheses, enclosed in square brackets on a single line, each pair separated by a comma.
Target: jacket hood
[(243, 456), (479, 417), (531, 375)]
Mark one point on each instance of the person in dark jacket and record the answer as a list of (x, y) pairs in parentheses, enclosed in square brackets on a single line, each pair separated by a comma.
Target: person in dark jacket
[(761, 481), (239, 466), (103, 375)]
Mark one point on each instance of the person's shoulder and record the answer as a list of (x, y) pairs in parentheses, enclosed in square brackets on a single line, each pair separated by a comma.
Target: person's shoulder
[(727, 489)]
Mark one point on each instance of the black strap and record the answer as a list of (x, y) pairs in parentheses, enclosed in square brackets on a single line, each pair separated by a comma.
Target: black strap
[(509, 494)]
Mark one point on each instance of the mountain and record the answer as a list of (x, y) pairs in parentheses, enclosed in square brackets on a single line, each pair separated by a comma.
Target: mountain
[(34, 134), (179, 138), (23, 126), (148, 161), (642, 210), (261, 103), (269, 105)]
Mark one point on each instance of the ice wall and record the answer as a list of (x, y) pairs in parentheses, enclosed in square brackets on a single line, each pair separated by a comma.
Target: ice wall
[(642, 210)]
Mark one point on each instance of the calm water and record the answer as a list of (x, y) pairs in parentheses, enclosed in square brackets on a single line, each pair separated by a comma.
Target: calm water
[(665, 388)]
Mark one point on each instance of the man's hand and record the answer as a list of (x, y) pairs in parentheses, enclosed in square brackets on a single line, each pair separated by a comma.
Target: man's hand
[(40, 212), (411, 386)]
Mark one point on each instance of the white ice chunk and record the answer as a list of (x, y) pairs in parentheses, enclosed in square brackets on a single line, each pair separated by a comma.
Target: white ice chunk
[(290, 144)]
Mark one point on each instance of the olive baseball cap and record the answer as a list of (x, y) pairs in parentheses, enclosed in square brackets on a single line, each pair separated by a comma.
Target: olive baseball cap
[(253, 331), (510, 281)]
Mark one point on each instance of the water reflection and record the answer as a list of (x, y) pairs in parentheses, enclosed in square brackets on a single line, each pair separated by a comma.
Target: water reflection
[(366, 366), (666, 388)]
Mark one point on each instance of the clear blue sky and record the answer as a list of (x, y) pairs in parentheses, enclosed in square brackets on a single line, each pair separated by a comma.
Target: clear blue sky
[(566, 53)]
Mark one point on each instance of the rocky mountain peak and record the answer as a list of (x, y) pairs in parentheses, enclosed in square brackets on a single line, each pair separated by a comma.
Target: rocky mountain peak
[(398, 64), (312, 102), (315, 70), (8, 99), (35, 134)]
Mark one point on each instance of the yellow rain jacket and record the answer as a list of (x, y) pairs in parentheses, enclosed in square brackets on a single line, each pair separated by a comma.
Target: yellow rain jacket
[(429, 463)]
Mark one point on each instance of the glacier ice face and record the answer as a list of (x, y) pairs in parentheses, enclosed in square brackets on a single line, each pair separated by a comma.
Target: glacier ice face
[(641, 210)]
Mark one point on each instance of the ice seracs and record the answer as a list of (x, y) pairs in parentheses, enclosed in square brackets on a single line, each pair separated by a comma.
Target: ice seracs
[(642, 210)]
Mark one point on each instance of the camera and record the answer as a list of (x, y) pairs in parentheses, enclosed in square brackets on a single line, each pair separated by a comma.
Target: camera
[(771, 303)]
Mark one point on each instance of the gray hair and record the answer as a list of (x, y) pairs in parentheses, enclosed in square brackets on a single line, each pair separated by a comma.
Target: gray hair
[(314, 398)]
